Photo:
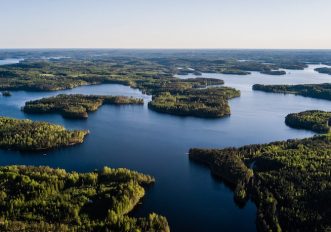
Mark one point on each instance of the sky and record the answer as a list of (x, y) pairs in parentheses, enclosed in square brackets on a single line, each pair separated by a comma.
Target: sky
[(276, 24)]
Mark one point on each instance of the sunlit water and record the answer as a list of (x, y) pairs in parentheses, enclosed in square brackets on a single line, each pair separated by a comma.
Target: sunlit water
[(9, 61), (137, 138)]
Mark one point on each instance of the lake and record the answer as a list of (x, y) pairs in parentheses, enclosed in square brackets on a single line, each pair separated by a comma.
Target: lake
[(157, 144), (10, 61)]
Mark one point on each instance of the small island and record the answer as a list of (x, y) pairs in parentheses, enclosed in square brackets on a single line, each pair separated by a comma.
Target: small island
[(206, 103), (6, 93), (76, 106), (231, 71), (26, 135), (274, 72), (320, 91), (289, 181), (314, 120), (45, 199), (324, 70)]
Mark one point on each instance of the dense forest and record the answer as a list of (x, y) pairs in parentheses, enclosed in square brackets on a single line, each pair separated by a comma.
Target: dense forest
[(26, 135), (315, 120), (289, 181), (76, 105), (37, 199), (321, 91), (236, 66), (174, 85), (207, 103)]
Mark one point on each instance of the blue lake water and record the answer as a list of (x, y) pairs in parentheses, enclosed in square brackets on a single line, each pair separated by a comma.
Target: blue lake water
[(137, 138), (10, 61)]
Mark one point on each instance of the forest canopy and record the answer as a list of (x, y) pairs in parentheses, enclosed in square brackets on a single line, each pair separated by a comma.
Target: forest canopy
[(320, 91), (315, 120), (26, 135), (76, 105), (289, 181), (41, 198), (207, 103)]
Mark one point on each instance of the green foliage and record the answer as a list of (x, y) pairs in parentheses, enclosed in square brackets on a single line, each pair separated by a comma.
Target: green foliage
[(46, 199), (321, 91), (290, 180), (174, 85), (228, 166), (234, 71), (26, 135), (208, 102), (77, 105), (50, 75), (315, 120), (226, 66)]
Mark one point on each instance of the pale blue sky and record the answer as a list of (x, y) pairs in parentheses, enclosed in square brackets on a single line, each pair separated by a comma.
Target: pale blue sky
[(165, 24)]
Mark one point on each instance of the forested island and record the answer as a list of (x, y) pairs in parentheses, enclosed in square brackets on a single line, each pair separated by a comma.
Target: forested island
[(41, 198), (320, 91), (230, 71), (314, 120), (174, 85), (230, 66), (198, 97), (274, 72), (289, 181), (207, 103), (76, 105), (324, 70), (26, 135)]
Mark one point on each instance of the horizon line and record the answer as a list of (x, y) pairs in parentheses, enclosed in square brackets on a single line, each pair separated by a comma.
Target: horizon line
[(122, 48)]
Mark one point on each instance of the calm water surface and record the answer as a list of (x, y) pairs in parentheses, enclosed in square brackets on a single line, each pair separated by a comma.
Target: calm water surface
[(137, 138), (9, 61)]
